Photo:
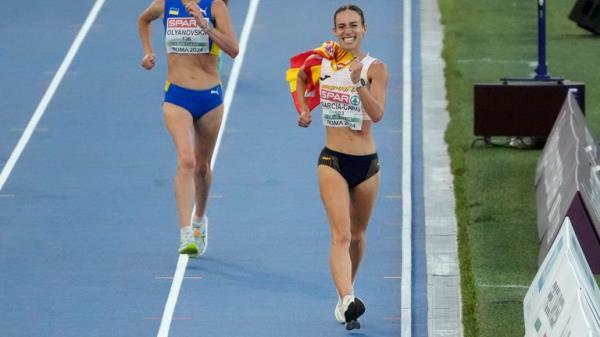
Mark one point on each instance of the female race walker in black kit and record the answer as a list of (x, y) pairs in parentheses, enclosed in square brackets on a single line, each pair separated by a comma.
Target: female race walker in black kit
[(352, 99)]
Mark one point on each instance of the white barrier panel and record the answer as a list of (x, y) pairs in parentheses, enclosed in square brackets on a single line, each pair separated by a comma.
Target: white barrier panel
[(564, 299)]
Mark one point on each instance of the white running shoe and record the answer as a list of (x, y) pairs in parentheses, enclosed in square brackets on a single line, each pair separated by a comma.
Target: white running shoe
[(338, 312), (353, 308), (186, 243), (201, 234)]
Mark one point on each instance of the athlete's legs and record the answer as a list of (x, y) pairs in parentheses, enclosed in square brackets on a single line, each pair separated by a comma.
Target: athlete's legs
[(336, 199), (207, 130), (362, 200), (180, 124)]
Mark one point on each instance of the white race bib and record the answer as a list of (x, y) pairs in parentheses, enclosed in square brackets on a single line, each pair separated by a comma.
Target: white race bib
[(182, 36), (341, 107)]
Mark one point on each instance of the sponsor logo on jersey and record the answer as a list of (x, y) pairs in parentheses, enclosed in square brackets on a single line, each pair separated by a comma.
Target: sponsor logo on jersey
[(181, 23), (335, 96)]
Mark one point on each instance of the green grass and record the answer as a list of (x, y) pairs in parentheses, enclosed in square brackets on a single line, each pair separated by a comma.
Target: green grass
[(495, 197)]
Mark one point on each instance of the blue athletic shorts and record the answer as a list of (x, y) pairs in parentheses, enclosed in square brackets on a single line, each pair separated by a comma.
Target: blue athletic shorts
[(197, 102)]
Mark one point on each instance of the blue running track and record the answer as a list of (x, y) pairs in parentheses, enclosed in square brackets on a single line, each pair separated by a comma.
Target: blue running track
[(89, 236)]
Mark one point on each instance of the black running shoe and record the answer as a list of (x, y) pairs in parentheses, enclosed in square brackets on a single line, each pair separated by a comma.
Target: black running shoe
[(353, 309)]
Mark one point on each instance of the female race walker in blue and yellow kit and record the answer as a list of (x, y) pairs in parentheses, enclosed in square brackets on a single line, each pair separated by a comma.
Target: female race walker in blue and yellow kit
[(195, 34)]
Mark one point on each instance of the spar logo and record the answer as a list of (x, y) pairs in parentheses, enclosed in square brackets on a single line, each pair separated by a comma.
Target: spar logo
[(181, 23), (335, 96)]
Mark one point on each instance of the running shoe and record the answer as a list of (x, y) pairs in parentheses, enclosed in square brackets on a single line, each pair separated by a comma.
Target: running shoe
[(353, 308), (338, 312), (187, 245), (201, 235)]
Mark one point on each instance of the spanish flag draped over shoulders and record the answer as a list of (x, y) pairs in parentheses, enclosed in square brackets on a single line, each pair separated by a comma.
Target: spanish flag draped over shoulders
[(311, 60)]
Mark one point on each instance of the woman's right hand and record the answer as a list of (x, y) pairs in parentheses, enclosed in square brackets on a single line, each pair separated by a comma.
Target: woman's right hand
[(148, 61), (305, 117)]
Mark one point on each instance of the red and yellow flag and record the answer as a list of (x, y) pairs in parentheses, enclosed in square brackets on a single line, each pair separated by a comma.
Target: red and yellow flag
[(311, 60)]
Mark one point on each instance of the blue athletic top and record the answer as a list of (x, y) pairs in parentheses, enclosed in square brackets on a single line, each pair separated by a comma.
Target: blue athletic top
[(182, 36)]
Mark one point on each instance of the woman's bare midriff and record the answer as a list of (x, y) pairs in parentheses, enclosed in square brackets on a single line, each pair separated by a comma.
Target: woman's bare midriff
[(193, 71), (354, 142)]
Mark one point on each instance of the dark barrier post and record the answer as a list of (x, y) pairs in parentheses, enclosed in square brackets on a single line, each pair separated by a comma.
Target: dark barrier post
[(541, 72)]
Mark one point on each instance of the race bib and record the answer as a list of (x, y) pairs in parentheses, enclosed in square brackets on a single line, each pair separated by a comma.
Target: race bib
[(341, 107), (184, 37)]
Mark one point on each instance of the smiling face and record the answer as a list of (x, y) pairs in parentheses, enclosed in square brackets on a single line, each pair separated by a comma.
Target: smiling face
[(350, 29)]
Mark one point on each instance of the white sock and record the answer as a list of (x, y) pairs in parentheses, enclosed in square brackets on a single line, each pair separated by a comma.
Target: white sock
[(196, 220), (347, 300), (186, 231)]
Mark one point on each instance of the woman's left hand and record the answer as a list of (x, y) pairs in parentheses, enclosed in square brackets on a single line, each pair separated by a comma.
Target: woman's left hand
[(355, 69), (194, 10)]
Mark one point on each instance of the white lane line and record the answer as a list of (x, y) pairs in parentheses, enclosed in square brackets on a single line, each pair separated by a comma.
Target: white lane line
[(171, 277), (176, 318), (406, 282), (22, 129), (167, 317), (41, 108), (235, 71), (392, 277), (165, 323)]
